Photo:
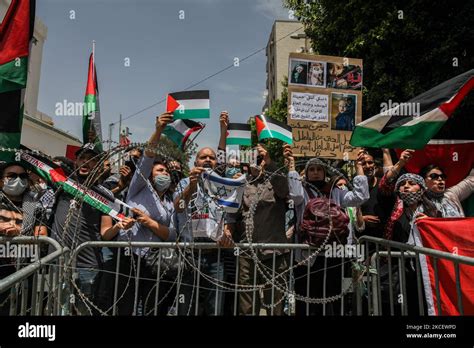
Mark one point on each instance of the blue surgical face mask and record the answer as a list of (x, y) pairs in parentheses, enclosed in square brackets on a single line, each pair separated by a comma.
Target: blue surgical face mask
[(162, 182), (230, 172)]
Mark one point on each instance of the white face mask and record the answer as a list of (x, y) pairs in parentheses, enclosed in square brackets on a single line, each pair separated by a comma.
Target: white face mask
[(14, 187)]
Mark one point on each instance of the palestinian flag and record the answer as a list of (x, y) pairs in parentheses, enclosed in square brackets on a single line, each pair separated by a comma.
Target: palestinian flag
[(56, 176), (188, 104), (180, 130), (16, 31), (268, 128), (452, 236), (91, 118), (239, 134), (411, 125)]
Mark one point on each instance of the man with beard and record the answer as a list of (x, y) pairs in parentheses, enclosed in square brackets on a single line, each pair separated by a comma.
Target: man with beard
[(189, 218), (76, 222)]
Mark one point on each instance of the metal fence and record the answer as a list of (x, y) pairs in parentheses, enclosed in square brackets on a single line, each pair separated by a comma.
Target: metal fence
[(141, 278), (31, 287), (395, 287)]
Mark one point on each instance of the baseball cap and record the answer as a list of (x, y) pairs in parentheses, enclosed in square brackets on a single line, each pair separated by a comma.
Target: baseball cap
[(89, 147)]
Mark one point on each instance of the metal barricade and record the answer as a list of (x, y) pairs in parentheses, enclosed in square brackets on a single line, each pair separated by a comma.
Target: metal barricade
[(31, 288), (396, 296), (267, 286), (248, 279)]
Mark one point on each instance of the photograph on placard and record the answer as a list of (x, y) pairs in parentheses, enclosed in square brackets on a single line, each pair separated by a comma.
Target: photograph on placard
[(343, 110), (299, 72), (317, 74), (344, 76)]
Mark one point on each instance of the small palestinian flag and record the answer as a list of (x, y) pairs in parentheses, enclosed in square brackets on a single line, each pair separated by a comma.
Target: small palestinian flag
[(188, 104), (268, 128), (413, 124), (180, 130), (16, 30), (239, 134)]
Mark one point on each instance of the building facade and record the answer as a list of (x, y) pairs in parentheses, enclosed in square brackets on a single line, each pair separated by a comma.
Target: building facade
[(286, 37), (38, 131)]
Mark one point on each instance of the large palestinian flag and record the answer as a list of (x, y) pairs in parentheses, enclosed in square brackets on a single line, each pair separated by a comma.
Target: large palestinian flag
[(402, 127), (269, 128), (91, 118), (447, 293), (179, 131), (16, 31), (239, 134), (188, 104)]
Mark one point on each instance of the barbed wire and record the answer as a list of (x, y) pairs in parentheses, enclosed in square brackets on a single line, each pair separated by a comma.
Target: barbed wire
[(263, 270)]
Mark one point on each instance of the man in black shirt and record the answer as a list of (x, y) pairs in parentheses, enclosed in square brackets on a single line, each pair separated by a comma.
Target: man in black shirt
[(377, 209), (76, 222)]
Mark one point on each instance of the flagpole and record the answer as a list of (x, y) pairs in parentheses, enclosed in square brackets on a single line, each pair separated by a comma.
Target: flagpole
[(93, 59), (120, 136), (190, 141), (91, 126)]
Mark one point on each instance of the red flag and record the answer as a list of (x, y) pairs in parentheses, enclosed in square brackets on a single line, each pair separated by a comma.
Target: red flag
[(71, 151), (456, 236), (124, 140), (455, 157)]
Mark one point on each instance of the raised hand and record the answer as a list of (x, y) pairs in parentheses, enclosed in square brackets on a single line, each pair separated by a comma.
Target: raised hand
[(164, 119)]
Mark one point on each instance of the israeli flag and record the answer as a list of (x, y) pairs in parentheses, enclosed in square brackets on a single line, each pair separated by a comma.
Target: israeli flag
[(227, 192)]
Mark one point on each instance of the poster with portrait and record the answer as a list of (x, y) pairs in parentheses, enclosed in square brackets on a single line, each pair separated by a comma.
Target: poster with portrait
[(307, 73), (324, 114), (343, 111)]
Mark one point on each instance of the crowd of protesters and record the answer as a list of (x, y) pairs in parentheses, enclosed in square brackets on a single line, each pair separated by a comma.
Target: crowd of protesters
[(280, 206)]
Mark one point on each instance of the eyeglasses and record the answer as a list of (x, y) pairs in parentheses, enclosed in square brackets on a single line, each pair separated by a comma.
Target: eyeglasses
[(434, 176), (16, 175)]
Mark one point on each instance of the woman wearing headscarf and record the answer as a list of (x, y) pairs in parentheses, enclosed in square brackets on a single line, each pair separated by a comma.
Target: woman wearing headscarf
[(315, 185), (447, 201), (411, 189)]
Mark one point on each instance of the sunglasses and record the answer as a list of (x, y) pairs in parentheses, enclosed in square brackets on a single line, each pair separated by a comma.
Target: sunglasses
[(435, 176), (15, 175)]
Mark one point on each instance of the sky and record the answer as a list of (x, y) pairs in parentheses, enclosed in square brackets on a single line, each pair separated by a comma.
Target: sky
[(165, 53)]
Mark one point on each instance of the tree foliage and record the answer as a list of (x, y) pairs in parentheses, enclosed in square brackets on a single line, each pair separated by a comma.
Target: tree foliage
[(407, 46), (171, 151), (278, 111)]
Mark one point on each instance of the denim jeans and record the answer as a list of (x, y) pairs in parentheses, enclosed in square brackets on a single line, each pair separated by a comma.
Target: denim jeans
[(209, 297), (87, 281)]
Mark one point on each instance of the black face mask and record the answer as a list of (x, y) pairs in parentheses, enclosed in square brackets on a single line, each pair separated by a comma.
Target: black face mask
[(319, 184)]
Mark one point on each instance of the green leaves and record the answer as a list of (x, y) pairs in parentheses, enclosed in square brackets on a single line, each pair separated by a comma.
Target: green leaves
[(407, 46)]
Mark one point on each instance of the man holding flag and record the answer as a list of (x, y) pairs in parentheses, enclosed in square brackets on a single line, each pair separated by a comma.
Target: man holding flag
[(190, 218), (76, 222)]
